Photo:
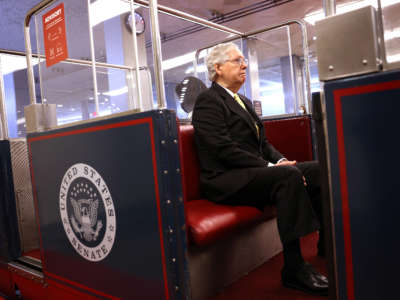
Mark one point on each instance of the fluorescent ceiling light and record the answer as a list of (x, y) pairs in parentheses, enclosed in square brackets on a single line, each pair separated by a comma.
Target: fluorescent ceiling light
[(12, 63), (200, 69), (181, 60), (343, 8), (117, 92), (103, 10)]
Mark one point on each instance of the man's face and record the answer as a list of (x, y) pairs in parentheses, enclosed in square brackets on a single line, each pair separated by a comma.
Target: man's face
[(232, 73)]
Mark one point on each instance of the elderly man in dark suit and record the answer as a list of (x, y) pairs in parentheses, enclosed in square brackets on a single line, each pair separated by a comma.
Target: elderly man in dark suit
[(240, 167)]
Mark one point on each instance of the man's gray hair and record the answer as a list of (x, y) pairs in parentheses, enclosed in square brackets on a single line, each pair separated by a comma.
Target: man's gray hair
[(218, 55)]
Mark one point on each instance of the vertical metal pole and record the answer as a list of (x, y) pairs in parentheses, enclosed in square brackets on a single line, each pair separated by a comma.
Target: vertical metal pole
[(3, 112), (133, 103), (306, 63), (292, 75), (96, 97), (157, 57), (135, 54), (381, 36), (329, 7), (39, 58), (195, 66), (29, 67)]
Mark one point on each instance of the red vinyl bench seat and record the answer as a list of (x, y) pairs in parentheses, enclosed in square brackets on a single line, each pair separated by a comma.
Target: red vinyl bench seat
[(208, 222)]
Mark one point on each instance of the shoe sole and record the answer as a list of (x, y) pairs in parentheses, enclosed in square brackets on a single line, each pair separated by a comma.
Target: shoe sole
[(300, 288)]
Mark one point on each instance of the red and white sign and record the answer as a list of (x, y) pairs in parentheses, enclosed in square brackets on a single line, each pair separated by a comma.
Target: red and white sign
[(55, 41)]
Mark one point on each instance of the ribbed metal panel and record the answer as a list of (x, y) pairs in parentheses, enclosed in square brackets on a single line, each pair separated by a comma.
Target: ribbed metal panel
[(24, 196)]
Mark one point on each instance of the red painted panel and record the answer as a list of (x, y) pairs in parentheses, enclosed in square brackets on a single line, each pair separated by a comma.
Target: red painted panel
[(30, 289), (63, 292), (6, 283), (33, 253)]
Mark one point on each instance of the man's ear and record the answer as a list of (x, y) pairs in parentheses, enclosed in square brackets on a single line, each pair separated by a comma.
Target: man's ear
[(217, 68)]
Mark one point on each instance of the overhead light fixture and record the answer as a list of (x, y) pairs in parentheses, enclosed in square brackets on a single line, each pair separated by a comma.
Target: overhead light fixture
[(117, 92), (103, 10), (181, 60), (200, 69), (317, 15)]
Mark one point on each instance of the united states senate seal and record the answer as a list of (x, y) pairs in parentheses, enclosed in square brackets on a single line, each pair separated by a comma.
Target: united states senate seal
[(87, 212)]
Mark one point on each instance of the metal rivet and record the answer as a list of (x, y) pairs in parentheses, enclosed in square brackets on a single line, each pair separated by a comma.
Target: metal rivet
[(165, 171), (365, 62), (171, 230), (173, 259), (175, 141), (168, 201), (176, 288), (178, 170), (163, 142), (330, 68)]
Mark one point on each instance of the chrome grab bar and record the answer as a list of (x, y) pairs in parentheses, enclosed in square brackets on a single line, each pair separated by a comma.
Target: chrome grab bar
[(157, 56)]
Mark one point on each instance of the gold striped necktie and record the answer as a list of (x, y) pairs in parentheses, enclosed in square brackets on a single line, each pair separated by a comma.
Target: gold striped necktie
[(238, 100)]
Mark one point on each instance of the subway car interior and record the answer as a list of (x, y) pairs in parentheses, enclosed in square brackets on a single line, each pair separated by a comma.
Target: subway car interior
[(100, 193)]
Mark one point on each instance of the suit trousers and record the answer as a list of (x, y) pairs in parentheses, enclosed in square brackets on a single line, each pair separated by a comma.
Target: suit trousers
[(299, 207)]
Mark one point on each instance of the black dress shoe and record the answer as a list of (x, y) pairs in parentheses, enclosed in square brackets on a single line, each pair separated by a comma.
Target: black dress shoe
[(317, 275), (305, 279)]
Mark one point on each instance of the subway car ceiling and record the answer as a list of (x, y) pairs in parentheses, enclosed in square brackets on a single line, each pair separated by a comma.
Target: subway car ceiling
[(243, 15), (179, 38)]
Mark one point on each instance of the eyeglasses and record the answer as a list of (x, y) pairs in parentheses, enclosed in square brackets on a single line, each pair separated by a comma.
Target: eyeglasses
[(239, 61)]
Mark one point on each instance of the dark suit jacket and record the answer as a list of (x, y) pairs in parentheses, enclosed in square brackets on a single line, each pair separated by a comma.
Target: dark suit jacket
[(227, 143)]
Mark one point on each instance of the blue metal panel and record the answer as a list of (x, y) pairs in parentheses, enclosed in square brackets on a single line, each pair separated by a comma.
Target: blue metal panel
[(105, 223), (362, 114)]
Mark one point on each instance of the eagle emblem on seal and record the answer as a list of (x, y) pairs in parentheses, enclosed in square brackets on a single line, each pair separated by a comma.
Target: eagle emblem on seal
[(84, 220)]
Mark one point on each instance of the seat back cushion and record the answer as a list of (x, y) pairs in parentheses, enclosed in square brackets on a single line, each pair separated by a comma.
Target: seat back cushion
[(189, 163), (291, 137)]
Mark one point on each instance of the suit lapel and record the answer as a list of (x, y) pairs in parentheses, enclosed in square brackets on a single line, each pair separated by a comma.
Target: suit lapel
[(235, 107)]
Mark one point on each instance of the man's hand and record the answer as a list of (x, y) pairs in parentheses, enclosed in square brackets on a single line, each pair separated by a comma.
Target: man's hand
[(291, 163), (287, 163)]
